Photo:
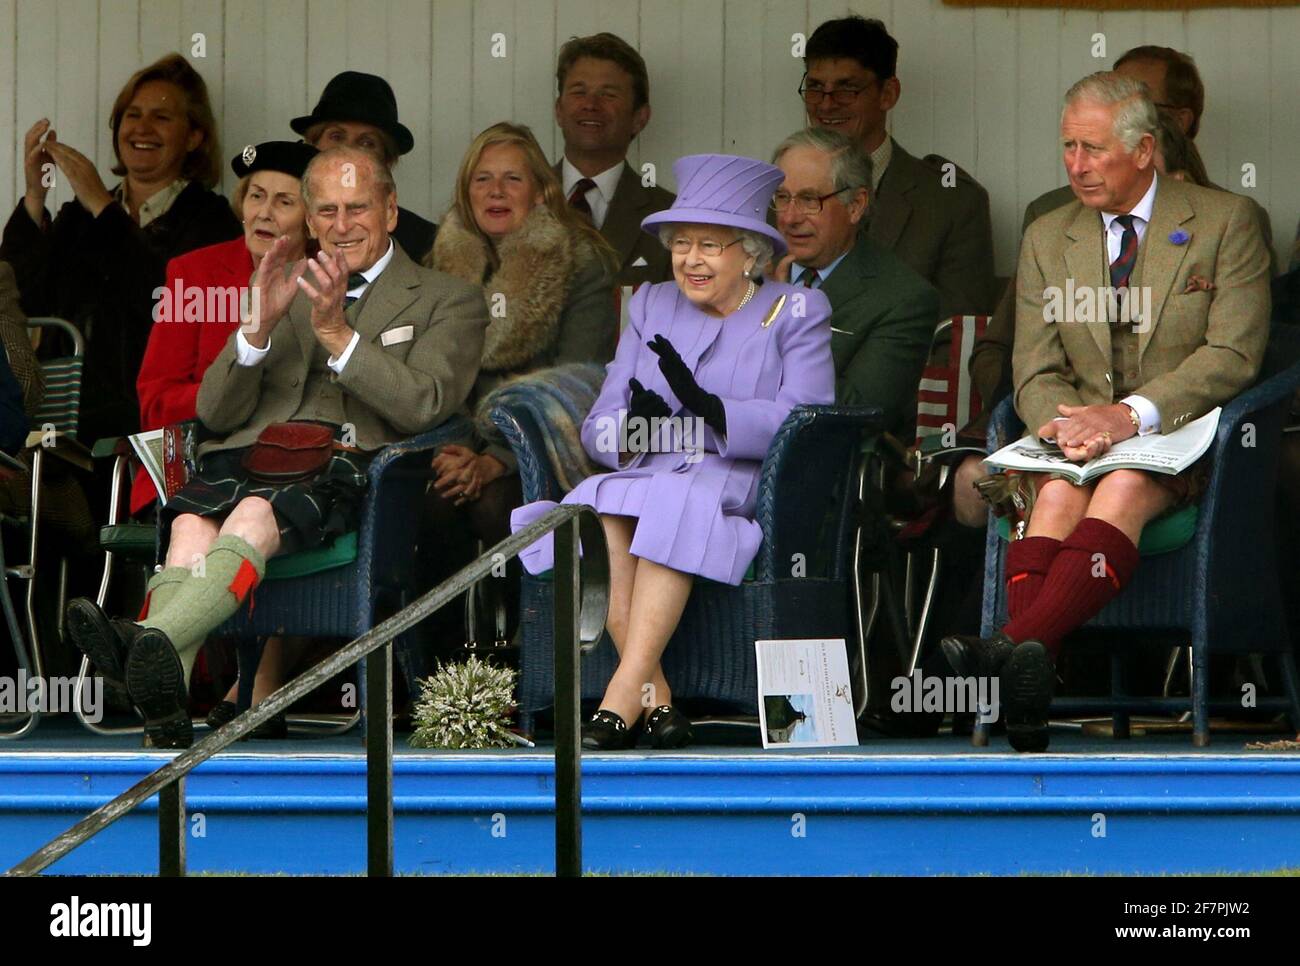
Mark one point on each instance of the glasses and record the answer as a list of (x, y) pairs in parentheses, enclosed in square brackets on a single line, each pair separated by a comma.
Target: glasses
[(808, 204), (708, 248), (841, 96)]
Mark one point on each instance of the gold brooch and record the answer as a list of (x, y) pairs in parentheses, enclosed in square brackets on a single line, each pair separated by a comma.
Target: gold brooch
[(777, 306)]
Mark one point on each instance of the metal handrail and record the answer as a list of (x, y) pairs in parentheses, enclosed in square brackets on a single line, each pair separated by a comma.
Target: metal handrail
[(581, 606)]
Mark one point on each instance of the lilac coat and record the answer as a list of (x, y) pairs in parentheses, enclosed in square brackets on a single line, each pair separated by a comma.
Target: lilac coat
[(695, 510)]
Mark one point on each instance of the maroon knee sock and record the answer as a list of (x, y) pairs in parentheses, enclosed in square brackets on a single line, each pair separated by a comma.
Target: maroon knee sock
[(1028, 561), (1092, 566)]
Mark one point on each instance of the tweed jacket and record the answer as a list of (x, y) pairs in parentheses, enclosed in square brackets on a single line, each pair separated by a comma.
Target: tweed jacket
[(882, 323), (631, 203), (944, 233), (1201, 346), (412, 384)]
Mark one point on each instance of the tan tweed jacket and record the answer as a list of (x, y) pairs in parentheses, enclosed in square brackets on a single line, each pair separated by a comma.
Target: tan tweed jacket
[(390, 392), (1202, 346)]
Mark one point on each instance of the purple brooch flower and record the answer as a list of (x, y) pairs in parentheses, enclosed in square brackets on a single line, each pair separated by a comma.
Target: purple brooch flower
[(1179, 237)]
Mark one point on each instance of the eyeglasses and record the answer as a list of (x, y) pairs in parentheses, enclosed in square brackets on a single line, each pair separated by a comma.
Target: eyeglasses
[(708, 248), (842, 96), (808, 204)]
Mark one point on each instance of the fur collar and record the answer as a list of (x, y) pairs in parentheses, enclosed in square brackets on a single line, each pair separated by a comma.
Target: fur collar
[(527, 292)]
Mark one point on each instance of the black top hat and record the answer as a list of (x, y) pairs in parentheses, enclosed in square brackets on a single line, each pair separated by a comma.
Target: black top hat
[(290, 157), (354, 96)]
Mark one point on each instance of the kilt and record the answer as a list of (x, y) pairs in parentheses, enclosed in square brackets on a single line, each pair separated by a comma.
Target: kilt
[(310, 514)]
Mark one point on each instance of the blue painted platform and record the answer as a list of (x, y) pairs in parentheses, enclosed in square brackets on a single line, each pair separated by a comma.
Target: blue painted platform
[(1151, 805)]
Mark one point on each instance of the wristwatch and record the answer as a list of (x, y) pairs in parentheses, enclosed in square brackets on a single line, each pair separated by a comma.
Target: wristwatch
[(1134, 418)]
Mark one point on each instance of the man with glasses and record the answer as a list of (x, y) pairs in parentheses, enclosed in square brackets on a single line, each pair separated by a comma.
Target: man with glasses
[(928, 212), (882, 312)]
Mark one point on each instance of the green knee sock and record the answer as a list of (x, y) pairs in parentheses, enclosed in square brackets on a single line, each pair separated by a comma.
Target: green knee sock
[(162, 588), (232, 568)]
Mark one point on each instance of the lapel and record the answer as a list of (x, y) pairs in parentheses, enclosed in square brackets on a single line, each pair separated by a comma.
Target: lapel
[(849, 281), (892, 207), (1162, 259), (622, 225), (1085, 262), (387, 297)]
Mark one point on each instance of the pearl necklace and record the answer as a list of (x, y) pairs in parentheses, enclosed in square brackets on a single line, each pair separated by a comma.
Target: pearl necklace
[(749, 294)]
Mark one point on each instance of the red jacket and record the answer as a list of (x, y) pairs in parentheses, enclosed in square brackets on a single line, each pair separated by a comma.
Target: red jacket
[(179, 352)]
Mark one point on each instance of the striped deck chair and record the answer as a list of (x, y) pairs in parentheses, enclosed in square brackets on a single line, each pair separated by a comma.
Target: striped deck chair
[(947, 397), (53, 433)]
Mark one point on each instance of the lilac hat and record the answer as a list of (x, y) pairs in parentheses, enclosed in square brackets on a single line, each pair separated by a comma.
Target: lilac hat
[(722, 189)]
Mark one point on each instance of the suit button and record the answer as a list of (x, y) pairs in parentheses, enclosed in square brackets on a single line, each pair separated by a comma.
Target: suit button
[(293, 381)]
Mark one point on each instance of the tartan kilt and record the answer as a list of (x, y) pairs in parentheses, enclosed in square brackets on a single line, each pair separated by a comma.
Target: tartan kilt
[(310, 513)]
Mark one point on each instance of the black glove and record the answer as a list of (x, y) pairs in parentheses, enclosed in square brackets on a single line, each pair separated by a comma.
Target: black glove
[(705, 405), (646, 403)]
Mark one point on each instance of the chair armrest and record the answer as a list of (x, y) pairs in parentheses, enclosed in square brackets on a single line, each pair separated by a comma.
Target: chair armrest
[(111, 446), (407, 452), (807, 492), (521, 432), (70, 450)]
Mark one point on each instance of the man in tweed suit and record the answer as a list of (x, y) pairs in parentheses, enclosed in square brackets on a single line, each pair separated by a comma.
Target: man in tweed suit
[(359, 338), (1197, 258)]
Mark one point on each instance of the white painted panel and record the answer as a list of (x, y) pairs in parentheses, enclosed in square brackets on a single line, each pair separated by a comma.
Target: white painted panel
[(408, 70), (995, 112), (79, 117), (160, 29), (492, 45), (117, 58), (11, 168), (35, 40), (450, 108)]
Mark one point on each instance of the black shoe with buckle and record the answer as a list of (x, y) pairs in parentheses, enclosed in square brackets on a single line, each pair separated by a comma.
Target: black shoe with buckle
[(977, 657), (606, 731), (1028, 678), (668, 727), (155, 680)]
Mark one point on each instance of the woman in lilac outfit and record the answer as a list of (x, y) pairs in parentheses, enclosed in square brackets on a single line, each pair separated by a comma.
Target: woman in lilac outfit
[(726, 357)]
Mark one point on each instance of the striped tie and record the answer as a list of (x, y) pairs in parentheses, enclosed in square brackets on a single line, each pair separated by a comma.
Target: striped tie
[(1121, 269), (578, 197), (809, 278), (355, 280)]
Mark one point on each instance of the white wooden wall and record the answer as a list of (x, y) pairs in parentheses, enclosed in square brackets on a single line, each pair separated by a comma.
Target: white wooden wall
[(982, 87)]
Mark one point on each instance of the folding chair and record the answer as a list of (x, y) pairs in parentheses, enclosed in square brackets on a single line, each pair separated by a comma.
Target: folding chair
[(54, 433)]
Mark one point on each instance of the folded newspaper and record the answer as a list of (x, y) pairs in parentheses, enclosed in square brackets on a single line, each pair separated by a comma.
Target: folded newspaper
[(1169, 453)]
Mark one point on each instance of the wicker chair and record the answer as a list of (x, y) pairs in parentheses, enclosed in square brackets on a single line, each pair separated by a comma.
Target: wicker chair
[(807, 507), (1219, 593)]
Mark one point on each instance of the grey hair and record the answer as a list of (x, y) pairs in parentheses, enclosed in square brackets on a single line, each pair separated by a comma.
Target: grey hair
[(1136, 114), (378, 170), (758, 246), (850, 165)]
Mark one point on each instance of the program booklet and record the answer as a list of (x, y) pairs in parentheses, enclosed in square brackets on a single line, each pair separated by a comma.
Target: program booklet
[(804, 695), (1169, 453), (163, 453)]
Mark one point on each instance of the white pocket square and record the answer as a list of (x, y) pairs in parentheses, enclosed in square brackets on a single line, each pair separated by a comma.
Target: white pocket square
[(403, 333), (841, 331), (640, 262)]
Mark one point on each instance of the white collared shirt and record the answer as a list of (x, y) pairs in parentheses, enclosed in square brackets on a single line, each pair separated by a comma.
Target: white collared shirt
[(1141, 218), (599, 197), (1147, 412), (247, 355), (157, 204)]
